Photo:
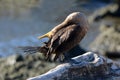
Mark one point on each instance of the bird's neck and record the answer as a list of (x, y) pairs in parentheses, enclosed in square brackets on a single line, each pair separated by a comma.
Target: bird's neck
[(58, 27)]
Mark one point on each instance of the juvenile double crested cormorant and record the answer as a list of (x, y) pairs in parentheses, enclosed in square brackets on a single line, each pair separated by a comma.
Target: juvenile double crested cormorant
[(65, 36)]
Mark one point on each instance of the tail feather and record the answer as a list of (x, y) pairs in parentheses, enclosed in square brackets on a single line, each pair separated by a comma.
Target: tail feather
[(33, 49)]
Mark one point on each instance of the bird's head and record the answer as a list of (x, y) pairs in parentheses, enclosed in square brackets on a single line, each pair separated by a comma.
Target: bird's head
[(76, 18)]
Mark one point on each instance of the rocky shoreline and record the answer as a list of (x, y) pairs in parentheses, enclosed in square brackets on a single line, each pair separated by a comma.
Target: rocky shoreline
[(107, 43), (18, 67)]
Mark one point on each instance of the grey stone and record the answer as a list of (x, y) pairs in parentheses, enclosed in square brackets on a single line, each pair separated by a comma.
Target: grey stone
[(87, 66)]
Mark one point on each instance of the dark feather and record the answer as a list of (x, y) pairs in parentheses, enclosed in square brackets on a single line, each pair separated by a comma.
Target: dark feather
[(62, 36)]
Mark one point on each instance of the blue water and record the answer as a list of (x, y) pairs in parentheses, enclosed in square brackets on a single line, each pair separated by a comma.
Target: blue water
[(11, 47), (20, 32)]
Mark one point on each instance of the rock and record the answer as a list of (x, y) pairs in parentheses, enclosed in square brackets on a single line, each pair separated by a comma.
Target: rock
[(18, 67), (89, 66), (32, 63), (107, 42), (19, 58), (109, 10)]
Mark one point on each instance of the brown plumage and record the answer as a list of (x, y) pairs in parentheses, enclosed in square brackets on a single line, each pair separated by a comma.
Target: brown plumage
[(65, 36)]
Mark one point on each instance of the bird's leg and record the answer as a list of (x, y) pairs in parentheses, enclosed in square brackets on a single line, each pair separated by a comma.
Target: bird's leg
[(55, 57), (49, 34), (58, 56), (48, 55), (52, 57), (48, 58)]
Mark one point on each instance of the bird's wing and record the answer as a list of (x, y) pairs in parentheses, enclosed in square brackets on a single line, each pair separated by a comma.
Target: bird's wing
[(62, 36)]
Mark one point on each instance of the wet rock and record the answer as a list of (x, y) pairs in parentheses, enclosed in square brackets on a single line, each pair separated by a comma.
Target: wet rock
[(108, 41), (18, 67), (109, 10), (89, 66), (19, 58)]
